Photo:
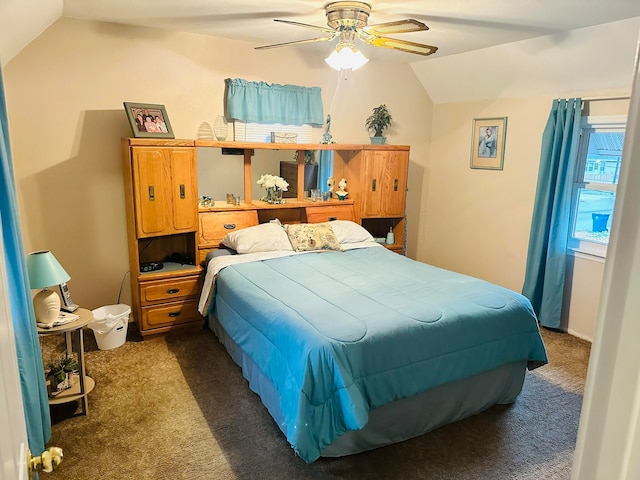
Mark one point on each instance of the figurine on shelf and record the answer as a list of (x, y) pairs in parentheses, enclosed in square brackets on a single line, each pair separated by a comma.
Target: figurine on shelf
[(207, 201), (341, 192), (331, 185), (326, 136)]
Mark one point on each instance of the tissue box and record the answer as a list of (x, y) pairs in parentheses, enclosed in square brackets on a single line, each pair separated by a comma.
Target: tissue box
[(284, 137)]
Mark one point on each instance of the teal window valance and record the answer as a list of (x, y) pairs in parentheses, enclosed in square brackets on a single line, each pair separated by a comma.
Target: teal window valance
[(262, 102)]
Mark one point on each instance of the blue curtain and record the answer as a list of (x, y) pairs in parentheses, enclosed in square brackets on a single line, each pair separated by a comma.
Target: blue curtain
[(34, 391), (325, 170), (546, 258), (262, 102)]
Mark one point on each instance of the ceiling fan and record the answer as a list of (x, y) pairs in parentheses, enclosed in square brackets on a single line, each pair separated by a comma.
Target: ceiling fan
[(347, 21)]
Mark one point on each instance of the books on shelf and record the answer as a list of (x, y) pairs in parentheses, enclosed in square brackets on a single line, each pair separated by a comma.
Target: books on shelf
[(63, 318)]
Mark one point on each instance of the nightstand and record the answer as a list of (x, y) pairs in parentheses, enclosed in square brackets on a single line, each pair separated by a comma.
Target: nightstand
[(80, 390)]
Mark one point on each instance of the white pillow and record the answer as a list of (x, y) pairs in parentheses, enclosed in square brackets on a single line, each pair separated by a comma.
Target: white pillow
[(347, 231), (266, 237)]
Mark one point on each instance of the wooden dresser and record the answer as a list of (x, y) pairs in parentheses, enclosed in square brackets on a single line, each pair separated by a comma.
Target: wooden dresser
[(166, 225), (161, 201)]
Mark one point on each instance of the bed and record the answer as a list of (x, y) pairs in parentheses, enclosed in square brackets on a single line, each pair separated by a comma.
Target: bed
[(351, 346)]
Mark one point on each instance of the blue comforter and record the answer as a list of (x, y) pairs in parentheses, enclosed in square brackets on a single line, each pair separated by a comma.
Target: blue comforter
[(341, 333)]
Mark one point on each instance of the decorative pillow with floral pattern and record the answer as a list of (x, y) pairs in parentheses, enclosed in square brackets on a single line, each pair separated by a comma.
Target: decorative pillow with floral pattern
[(305, 237)]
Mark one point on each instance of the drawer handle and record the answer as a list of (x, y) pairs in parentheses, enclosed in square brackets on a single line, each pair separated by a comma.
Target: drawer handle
[(395, 185), (152, 193), (183, 191), (174, 314), (171, 291), (229, 226), (373, 185)]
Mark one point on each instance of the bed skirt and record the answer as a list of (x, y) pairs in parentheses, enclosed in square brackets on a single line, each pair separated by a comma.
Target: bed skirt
[(402, 419)]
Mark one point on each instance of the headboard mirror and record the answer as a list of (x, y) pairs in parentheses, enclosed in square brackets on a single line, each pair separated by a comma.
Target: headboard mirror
[(266, 162), (220, 174)]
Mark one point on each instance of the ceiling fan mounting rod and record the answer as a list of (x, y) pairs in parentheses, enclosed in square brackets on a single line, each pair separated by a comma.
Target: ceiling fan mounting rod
[(347, 14), (347, 39)]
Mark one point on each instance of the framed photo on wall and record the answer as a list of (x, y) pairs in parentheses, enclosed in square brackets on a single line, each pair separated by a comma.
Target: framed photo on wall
[(488, 140), (148, 120)]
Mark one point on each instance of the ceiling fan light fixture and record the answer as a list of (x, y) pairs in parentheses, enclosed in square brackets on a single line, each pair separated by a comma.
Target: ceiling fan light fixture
[(346, 57)]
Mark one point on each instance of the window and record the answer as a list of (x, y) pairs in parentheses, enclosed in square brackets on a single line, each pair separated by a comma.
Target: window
[(596, 180)]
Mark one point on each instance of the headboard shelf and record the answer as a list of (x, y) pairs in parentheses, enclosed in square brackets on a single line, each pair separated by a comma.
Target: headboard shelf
[(291, 203), (297, 146)]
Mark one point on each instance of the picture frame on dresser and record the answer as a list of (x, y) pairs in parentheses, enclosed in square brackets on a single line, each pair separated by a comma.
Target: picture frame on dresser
[(488, 141), (148, 120)]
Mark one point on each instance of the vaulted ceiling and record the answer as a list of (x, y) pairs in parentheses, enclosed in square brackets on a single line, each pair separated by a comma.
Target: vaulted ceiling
[(455, 26)]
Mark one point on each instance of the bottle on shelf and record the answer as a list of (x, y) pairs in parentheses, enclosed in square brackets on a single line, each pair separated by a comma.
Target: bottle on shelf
[(390, 239)]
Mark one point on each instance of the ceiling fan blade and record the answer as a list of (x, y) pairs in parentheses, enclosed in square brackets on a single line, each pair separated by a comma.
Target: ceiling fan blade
[(297, 42), (306, 25), (401, 26), (403, 45)]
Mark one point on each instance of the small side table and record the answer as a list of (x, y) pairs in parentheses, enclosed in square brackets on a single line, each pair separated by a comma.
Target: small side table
[(80, 390)]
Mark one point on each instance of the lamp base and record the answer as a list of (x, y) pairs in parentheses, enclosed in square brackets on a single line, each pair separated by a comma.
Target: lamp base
[(46, 305)]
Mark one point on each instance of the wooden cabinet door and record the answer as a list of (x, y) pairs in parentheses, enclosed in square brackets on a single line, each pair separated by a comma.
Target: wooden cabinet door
[(385, 183), (152, 194), (165, 185), (394, 183), (184, 193), (372, 173)]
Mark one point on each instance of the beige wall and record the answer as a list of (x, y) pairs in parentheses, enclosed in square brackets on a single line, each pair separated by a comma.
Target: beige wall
[(477, 222), (600, 59), (64, 96)]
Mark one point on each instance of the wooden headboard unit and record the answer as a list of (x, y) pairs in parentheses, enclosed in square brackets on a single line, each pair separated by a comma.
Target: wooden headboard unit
[(215, 222)]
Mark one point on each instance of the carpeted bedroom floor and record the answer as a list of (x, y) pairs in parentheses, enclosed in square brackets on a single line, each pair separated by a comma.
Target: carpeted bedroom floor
[(177, 407)]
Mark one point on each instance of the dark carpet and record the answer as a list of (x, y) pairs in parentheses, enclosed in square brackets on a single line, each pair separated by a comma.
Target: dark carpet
[(177, 407)]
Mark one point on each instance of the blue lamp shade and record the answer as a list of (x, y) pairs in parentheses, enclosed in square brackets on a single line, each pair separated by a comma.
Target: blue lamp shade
[(44, 270)]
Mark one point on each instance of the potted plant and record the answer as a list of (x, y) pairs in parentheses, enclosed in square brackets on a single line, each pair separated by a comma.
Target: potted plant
[(60, 373), (377, 123)]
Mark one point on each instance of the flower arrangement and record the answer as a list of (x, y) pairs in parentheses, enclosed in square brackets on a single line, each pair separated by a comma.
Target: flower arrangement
[(274, 186)]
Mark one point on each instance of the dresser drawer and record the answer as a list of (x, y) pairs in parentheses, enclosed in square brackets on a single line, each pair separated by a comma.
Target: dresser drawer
[(170, 314), (326, 213), (215, 225), (170, 290)]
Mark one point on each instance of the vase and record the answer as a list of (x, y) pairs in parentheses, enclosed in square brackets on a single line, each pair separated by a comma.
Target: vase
[(274, 196), (220, 128), (205, 131), (378, 140)]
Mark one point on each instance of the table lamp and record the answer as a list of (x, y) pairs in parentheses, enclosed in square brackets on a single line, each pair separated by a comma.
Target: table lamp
[(45, 271)]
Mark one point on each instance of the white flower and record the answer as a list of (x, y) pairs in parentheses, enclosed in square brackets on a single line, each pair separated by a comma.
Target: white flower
[(272, 181)]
